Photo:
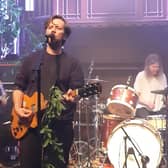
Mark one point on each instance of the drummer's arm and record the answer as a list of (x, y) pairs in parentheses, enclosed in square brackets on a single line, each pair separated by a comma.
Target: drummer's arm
[(148, 105)]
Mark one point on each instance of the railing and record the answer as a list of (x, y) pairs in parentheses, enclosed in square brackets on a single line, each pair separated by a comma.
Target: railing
[(99, 11)]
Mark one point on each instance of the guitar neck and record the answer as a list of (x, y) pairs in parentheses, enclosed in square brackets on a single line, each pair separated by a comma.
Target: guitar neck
[(75, 92), (87, 90)]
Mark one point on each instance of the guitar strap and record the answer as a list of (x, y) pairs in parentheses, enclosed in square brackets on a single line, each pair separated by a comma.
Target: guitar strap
[(57, 62)]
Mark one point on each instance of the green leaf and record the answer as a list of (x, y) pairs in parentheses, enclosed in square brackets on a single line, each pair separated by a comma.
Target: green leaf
[(53, 111)]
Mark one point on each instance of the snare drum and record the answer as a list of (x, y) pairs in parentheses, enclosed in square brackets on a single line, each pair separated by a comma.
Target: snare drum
[(110, 121), (146, 139), (122, 101), (158, 121)]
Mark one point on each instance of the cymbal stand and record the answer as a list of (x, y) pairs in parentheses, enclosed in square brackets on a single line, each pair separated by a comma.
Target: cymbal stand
[(97, 120), (80, 147), (87, 125), (96, 126), (90, 71), (79, 135), (89, 164)]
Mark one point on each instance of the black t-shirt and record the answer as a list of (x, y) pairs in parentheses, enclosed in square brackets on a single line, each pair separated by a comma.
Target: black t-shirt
[(60, 70)]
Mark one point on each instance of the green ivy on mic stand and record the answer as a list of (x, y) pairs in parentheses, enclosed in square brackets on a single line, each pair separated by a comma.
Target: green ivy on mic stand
[(53, 111)]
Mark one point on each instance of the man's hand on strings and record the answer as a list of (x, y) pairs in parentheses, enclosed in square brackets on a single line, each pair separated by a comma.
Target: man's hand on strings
[(69, 96), (24, 112)]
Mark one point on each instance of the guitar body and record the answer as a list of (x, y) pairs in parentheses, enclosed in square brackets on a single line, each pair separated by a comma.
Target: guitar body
[(19, 126)]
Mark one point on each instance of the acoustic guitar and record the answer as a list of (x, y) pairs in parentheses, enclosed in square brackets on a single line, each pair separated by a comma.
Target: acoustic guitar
[(19, 126)]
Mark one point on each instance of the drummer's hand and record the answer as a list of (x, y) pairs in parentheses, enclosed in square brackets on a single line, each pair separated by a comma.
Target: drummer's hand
[(68, 96), (151, 106), (24, 112)]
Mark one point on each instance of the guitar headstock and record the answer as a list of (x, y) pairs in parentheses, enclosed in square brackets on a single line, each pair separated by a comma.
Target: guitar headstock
[(90, 89)]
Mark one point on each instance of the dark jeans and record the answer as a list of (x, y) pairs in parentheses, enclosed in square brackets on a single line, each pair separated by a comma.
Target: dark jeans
[(63, 130), (30, 150)]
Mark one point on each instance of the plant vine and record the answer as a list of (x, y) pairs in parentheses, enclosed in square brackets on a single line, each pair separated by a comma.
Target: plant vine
[(53, 111)]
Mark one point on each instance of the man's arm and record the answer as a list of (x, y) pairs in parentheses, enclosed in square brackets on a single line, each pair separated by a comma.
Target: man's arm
[(18, 96)]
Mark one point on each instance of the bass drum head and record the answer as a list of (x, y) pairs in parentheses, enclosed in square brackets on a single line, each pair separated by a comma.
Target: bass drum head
[(144, 136)]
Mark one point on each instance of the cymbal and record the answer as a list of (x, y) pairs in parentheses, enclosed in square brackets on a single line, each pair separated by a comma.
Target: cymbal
[(95, 80), (162, 92), (7, 83)]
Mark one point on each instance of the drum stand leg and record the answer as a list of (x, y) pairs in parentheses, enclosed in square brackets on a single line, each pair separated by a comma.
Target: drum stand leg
[(104, 159), (97, 138), (144, 159)]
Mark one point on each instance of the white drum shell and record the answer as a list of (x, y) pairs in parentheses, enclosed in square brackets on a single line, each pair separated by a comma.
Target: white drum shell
[(143, 135)]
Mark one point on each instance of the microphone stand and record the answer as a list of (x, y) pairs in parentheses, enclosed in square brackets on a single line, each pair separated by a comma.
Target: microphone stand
[(37, 77), (144, 159)]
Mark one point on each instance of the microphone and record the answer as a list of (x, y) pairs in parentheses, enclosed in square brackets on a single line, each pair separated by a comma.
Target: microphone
[(49, 38), (145, 159)]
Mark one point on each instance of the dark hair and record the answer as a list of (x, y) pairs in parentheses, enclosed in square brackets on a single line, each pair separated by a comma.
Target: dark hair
[(67, 29)]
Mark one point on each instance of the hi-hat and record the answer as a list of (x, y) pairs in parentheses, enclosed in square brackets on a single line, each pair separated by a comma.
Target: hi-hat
[(162, 92), (95, 80)]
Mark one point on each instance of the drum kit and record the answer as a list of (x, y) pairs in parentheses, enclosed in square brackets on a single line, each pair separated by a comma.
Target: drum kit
[(120, 140)]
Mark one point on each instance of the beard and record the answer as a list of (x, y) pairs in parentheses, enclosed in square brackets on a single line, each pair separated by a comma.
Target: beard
[(54, 43)]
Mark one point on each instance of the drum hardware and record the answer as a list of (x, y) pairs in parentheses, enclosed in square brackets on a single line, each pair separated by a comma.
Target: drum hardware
[(84, 145), (89, 164), (90, 71), (79, 159), (7, 83), (130, 150), (79, 130), (164, 92), (97, 114), (98, 122), (92, 147), (157, 121), (96, 80), (122, 101), (128, 82), (8, 90)]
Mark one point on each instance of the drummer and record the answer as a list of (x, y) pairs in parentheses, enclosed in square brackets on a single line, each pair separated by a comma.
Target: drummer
[(152, 78)]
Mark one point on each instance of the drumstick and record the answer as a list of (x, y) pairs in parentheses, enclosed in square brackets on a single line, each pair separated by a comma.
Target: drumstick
[(154, 100)]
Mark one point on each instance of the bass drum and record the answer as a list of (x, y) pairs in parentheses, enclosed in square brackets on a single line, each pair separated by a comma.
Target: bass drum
[(145, 138)]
